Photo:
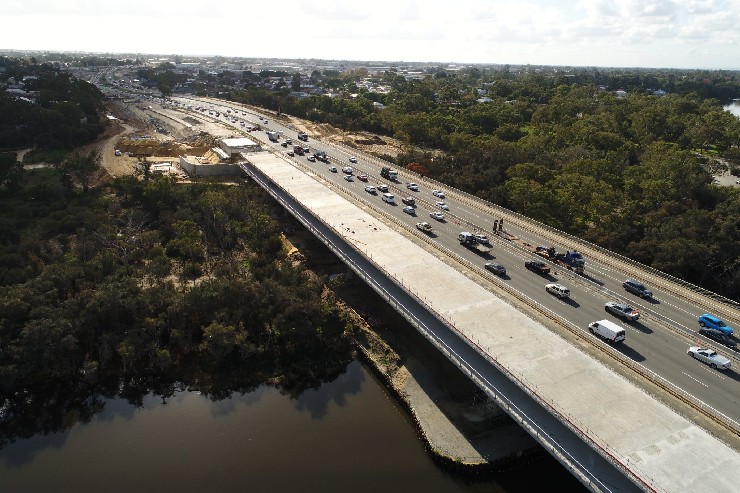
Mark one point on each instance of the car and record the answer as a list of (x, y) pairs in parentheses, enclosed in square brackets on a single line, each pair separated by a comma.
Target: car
[(352, 159), (638, 288), (720, 337), (537, 266), (290, 153), (371, 189), (424, 226), (288, 141), (266, 122), (117, 153), (707, 320), (306, 149), (437, 215), (558, 290), (709, 357), (496, 268), (482, 239), (362, 177), (383, 188), (408, 200), (409, 210), (443, 206), (311, 158), (348, 170), (413, 187), (349, 178), (438, 193), (628, 313), (333, 169), (284, 144)]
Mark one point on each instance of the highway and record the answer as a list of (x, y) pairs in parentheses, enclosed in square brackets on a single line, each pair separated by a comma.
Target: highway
[(657, 341)]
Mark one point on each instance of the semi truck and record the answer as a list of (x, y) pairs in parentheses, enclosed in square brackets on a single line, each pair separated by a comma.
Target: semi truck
[(273, 136), (389, 174), (571, 259), (468, 240)]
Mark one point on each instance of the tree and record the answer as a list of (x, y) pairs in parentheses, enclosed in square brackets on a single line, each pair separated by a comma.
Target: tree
[(82, 166)]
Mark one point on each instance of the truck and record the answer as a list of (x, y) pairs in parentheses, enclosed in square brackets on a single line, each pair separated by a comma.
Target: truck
[(303, 136), (321, 156), (467, 239), (298, 150), (571, 259), (389, 174), (273, 136)]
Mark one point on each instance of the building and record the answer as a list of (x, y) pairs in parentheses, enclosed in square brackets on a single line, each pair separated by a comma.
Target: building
[(243, 144)]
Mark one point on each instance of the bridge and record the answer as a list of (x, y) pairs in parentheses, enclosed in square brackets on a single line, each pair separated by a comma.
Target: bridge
[(612, 435), (608, 431)]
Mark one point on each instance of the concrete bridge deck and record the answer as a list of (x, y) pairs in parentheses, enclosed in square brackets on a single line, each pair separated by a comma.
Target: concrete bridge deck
[(655, 447)]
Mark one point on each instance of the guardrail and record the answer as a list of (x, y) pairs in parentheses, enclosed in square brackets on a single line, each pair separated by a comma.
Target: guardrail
[(531, 389)]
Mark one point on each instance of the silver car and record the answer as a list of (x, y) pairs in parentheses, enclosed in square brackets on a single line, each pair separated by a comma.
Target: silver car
[(621, 310), (709, 357)]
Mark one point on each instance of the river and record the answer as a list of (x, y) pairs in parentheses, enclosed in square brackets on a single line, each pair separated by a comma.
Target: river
[(345, 435)]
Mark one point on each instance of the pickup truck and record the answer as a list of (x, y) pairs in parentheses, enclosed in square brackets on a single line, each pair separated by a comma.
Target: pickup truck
[(424, 226)]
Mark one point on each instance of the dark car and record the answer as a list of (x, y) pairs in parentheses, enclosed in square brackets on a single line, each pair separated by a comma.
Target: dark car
[(638, 288), (536, 266), (720, 337), (496, 268)]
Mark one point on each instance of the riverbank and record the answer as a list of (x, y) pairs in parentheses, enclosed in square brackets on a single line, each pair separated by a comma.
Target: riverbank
[(458, 425)]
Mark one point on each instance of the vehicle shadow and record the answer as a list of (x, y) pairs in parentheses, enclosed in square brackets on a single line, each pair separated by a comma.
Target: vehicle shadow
[(631, 353), (731, 374), (571, 302), (593, 279), (652, 301), (640, 326)]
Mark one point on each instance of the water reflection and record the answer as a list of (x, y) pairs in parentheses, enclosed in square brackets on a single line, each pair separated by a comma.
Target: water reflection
[(343, 434)]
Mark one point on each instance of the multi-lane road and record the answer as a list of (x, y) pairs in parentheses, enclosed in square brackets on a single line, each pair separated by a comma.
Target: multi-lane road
[(658, 341)]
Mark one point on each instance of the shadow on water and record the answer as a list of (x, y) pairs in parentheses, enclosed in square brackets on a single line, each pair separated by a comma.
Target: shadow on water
[(41, 417)]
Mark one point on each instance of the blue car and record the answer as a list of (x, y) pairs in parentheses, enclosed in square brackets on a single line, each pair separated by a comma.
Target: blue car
[(715, 323)]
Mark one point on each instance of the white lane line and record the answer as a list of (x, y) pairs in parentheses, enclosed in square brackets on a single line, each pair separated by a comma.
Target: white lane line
[(694, 379)]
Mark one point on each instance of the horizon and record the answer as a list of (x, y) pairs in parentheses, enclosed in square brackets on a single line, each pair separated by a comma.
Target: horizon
[(657, 34)]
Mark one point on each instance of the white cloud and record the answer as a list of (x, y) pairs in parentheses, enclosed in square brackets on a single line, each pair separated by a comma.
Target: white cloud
[(677, 33)]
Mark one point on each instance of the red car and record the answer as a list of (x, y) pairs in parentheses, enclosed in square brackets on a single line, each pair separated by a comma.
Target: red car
[(362, 177)]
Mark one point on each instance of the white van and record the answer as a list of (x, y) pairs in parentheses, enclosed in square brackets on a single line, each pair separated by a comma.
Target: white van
[(607, 330), (388, 197), (347, 169)]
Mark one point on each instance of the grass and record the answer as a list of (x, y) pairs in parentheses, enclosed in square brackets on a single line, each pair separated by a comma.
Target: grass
[(51, 156)]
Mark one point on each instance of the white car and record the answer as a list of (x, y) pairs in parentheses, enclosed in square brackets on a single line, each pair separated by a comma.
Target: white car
[(352, 159), (311, 158), (443, 206), (558, 290), (413, 187), (709, 357), (117, 153), (349, 178), (482, 239), (438, 193), (371, 189), (437, 215), (333, 169)]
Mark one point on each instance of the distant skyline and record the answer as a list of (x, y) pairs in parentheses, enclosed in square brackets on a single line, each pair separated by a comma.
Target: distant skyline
[(702, 34)]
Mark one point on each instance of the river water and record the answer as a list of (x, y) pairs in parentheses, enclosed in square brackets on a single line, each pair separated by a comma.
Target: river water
[(346, 435)]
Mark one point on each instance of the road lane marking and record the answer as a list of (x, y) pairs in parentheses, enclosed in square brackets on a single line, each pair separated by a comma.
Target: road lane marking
[(695, 379)]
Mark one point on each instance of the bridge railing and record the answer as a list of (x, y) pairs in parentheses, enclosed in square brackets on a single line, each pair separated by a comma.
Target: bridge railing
[(606, 451)]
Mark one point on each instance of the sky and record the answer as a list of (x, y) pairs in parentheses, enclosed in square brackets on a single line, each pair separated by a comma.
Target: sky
[(627, 33)]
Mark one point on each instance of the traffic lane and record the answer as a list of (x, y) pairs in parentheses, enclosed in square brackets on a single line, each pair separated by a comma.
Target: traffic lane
[(533, 294)]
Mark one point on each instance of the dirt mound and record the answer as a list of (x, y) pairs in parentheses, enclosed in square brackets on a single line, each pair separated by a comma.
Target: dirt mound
[(146, 145)]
